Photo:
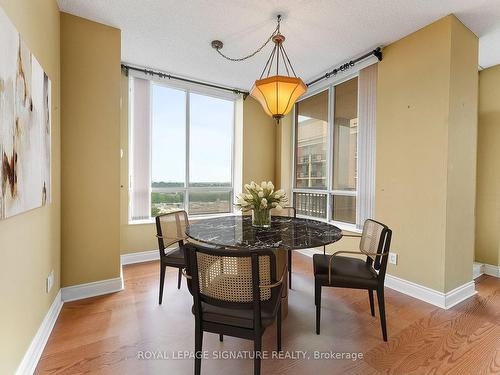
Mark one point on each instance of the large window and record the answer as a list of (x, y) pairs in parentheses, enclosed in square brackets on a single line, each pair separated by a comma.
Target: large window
[(345, 148), (312, 142), (326, 154), (189, 154)]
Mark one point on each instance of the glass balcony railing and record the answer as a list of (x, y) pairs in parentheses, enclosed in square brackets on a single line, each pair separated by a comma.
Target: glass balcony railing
[(310, 204)]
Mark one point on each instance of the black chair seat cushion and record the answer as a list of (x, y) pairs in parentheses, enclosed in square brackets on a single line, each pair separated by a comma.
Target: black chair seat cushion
[(241, 317), (174, 257), (346, 272)]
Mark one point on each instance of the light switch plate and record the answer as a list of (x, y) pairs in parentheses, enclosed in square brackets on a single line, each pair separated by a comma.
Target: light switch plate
[(50, 281), (393, 258)]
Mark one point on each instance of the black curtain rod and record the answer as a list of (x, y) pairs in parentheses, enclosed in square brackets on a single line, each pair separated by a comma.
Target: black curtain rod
[(126, 68), (377, 52)]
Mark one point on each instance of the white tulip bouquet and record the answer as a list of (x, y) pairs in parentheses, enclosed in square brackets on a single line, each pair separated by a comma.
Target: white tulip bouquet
[(261, 199)]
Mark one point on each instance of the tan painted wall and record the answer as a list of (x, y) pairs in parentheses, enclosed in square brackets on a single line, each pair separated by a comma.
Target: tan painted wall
[(259, 143), (283, 155), (90, 87), (488, 170), (462, 150), (30, 242), (425, 162), (421, 122)]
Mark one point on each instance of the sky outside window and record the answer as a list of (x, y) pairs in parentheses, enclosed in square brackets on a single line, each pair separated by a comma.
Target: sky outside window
[(211, 130), (168, 135), (210, 140)]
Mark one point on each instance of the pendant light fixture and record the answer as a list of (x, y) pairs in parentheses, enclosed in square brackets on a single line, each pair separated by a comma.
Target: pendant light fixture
[(274, 90)]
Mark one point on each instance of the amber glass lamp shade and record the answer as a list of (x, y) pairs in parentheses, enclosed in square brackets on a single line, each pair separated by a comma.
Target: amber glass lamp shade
[(277, 94)]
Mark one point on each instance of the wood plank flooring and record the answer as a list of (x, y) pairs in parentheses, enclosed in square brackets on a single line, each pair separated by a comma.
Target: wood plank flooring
[(106, 335)]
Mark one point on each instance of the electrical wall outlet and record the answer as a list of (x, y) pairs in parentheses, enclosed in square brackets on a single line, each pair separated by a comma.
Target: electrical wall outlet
[(50, 281), (393, 258)]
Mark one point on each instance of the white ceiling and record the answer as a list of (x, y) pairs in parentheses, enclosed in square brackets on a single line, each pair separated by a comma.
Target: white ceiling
[(175, 35)]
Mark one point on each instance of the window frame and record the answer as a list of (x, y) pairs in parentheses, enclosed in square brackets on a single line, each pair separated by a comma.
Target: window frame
[(186, 189), (329, 191)]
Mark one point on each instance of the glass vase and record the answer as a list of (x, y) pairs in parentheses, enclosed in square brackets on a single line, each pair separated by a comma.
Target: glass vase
[(261, 218)]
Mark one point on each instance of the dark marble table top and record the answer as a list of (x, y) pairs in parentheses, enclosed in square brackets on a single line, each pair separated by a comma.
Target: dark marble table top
[(285, 233)]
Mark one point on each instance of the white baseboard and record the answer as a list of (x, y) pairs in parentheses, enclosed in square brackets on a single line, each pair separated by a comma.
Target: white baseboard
[(477, 270), (96, 288), (34, 352), (70, 293), (434, 297), (491, 270), (486, 269), (143, 256), (459, 294)]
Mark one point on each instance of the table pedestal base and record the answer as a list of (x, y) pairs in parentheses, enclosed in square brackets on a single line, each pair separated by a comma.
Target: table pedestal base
[(282, 265)]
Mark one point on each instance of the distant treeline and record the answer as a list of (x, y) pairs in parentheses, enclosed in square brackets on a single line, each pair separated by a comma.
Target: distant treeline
[(163, 184), (193, 197), (167, 198)]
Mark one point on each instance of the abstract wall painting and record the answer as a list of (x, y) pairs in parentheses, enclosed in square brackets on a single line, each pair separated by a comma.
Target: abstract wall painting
[(25, 126)]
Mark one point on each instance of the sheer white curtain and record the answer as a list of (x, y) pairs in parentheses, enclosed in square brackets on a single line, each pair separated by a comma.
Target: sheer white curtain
[(367, 111), (140, 149)]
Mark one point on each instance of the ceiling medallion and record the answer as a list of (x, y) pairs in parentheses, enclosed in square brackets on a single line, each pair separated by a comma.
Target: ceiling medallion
[(275, 91)]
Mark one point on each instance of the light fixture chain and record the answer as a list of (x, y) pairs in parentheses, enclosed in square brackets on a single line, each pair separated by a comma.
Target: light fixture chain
[(276, 30), (272, 59), (268, 63), (284, 61), (289, 63)]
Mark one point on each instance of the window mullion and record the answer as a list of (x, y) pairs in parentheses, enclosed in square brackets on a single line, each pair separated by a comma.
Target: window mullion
[(330, 144), (186, 188), (150, 128), (233, 156)]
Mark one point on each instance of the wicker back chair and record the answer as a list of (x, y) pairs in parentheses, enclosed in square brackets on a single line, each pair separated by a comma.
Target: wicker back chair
[(170, 230), (235, 292), (286, 212), (355, 273)]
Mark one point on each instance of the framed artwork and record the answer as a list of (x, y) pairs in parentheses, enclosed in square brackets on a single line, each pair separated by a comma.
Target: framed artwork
[(25, 126)]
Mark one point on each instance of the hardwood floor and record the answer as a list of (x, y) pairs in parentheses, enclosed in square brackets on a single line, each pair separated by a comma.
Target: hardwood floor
[(111, 334)]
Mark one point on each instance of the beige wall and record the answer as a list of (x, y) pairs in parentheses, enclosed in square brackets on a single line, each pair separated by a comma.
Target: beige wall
[(284, 154), (90, 87), (488, 170), (426, 126), (259, 142), (30, 242), (426, 154), (462, 149)]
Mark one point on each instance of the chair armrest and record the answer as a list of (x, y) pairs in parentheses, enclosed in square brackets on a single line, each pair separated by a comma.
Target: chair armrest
[(330, 261), (184, 273), (274, 285), (172, 241), (351, 235)]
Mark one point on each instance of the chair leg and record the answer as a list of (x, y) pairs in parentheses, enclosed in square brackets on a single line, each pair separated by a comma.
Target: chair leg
[(179, 278), (162, 281), (381, 307), (198, 344), (278, 329), (289, 269), (257, 343), (221, 337), (372, 307), (324, 249), (317, 298)]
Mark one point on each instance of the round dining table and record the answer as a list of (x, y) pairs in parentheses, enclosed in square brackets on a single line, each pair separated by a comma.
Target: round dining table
[(285, 234)]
